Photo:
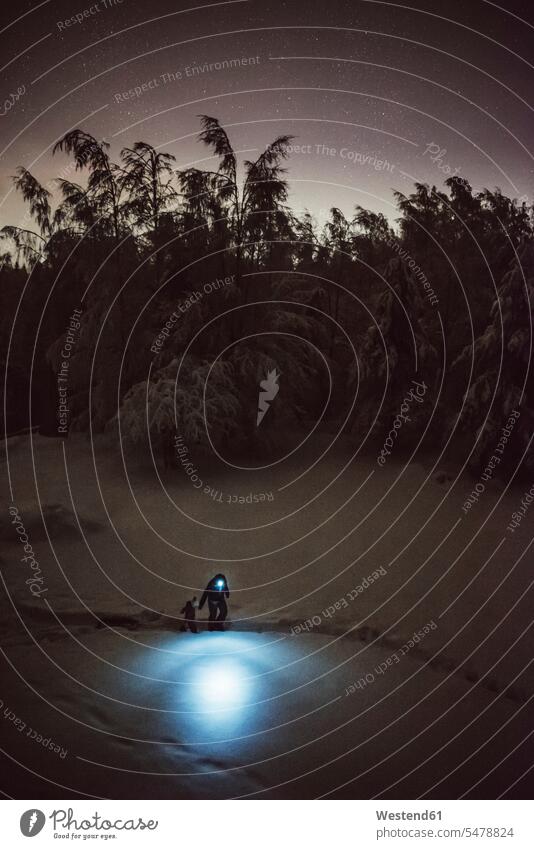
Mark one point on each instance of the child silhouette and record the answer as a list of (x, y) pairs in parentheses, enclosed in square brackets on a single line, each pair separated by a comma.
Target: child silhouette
[(190, 611)]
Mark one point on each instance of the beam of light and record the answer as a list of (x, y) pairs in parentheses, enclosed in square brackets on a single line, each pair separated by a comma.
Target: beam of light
[(210, 644), (219, 682)]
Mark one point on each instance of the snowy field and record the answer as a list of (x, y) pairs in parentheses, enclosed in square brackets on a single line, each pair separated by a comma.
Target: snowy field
[(319, 687)]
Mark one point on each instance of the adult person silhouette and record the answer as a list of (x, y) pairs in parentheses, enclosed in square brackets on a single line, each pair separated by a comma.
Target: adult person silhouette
[(215, 594)]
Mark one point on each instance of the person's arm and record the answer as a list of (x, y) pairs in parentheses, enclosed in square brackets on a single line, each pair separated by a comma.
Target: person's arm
[(227, 592), (182, 610), (203, 599)]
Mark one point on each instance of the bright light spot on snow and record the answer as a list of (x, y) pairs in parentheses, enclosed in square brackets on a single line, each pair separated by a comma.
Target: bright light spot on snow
[(220, 678), (221, 684)]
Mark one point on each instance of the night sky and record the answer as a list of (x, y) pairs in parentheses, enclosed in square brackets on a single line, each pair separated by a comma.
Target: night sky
[(366, 86)]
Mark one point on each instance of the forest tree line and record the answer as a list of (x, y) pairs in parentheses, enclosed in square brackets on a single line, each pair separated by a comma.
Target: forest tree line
[(445, 296)]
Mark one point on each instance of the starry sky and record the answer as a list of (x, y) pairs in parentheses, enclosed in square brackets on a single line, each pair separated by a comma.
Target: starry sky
[(378, 94)]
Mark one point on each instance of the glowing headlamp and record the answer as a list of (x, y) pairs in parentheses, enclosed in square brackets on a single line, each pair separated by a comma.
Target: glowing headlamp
[(220, 584)]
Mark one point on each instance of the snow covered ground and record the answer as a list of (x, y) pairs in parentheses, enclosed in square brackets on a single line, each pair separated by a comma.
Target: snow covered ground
[(241, 714), (328, 590)]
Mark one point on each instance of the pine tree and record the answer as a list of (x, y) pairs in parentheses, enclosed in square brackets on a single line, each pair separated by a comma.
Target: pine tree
[(394, 350), (502, 366)]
